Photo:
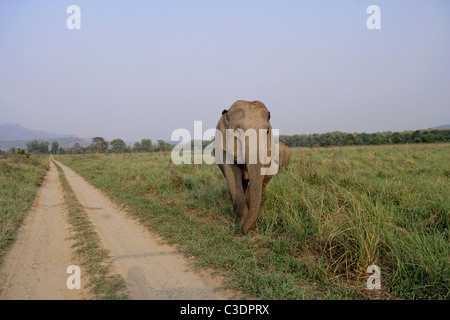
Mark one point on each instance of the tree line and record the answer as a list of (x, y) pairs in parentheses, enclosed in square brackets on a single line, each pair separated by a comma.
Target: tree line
[(35, 146), (336, 138), (100, 145)]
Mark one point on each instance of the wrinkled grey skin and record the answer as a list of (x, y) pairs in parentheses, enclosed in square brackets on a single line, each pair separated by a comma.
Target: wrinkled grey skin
[(245, 182)]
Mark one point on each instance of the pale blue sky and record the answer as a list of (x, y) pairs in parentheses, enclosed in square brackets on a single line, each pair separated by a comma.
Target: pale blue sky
[(141, 69)]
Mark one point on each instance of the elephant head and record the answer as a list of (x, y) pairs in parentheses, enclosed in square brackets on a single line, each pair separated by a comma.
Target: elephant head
[(245, 135)]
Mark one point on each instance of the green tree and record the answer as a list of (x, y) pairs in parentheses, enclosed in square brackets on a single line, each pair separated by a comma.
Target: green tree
[(376, 140), (136, 147), (407, 137), (349, 140), (55, 146), (397, 138), (146, 145), (365, 137), (77, 148), (37, 146), (118, 145), (164, 146), (99, 144), (429, 137), (326, 142), (33, 146), (43, 146), (417, 136), (358, 140), (439, 137)]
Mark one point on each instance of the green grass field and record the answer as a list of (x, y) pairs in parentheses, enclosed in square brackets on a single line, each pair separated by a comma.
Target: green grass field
[(20, 178), (332, 213)]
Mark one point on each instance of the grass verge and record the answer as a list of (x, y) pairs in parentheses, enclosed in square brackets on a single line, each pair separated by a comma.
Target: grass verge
[(20, 178)]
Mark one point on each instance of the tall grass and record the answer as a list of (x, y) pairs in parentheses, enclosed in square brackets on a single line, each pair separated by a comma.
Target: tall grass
[(332, 213), (20, 178)]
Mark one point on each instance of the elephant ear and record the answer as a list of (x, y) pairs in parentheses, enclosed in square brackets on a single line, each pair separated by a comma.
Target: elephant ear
[(222, 126)]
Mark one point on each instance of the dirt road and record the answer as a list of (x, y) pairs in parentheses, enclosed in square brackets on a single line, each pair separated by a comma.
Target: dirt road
[(35, 267)]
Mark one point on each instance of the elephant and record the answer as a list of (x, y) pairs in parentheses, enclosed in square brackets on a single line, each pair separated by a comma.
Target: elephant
[(245, 179), (285, 155)]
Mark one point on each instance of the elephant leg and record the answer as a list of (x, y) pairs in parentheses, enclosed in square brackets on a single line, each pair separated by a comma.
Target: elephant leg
[(245, 182), (233, 177), (265, 182), (246, 192)]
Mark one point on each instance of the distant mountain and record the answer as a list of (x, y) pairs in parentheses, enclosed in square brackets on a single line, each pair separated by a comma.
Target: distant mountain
[(444, 126), (14, 135), (14, 131)]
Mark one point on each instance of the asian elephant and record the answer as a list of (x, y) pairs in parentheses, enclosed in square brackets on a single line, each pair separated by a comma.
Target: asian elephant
[(245, 178), (285, 155)]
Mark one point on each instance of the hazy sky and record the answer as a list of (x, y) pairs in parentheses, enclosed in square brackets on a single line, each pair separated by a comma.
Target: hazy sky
[(141, 69)]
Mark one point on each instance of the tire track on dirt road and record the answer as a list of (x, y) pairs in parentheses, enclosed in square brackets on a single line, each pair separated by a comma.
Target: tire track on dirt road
[(151, 270)]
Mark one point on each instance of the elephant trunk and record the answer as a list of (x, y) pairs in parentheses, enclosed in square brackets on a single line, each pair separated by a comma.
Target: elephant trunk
[(255, 188)]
